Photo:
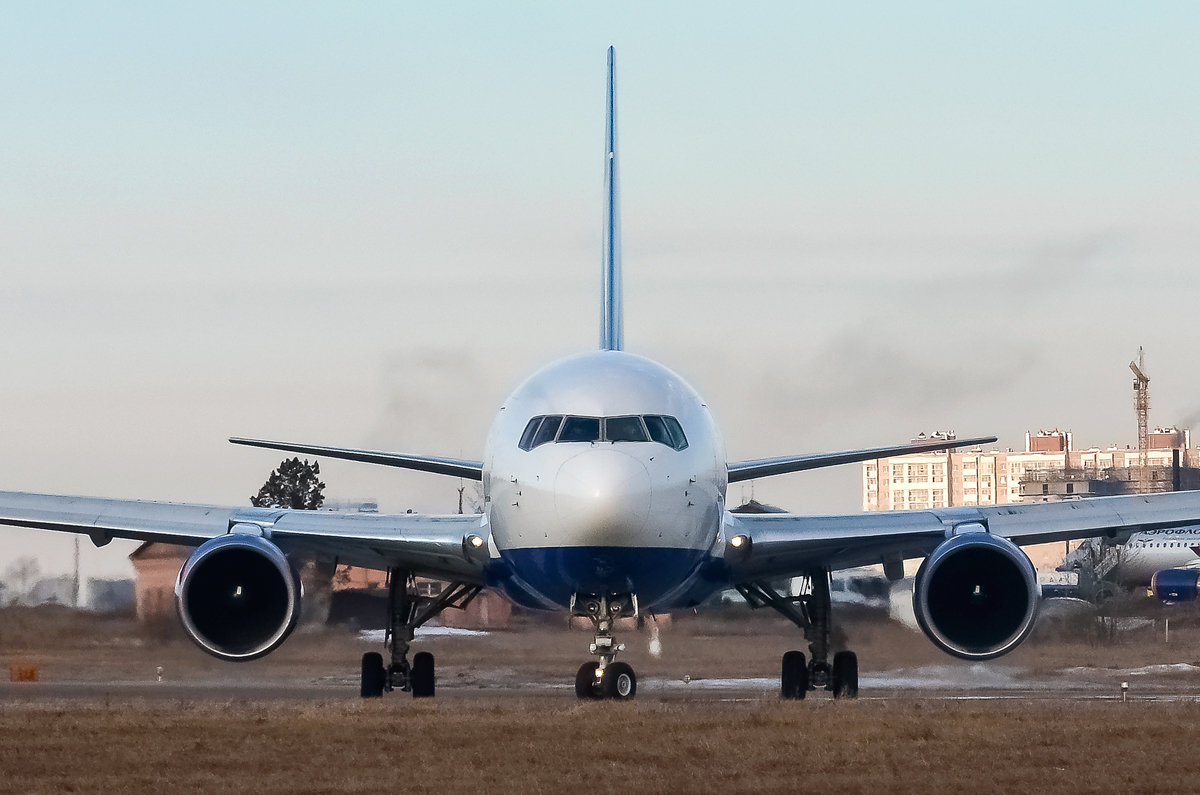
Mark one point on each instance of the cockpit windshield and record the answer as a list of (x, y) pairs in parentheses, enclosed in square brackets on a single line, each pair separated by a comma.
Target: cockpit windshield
[(648, 428), (625, 429), (580, 429)]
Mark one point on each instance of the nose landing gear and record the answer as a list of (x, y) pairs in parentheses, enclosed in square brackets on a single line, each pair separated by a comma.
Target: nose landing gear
[(605, 678)]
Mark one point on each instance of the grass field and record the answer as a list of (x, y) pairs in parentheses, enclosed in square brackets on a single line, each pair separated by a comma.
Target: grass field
[(559, 745)]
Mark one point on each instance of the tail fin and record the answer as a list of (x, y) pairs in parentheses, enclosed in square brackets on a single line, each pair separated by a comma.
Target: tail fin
[(612, 320)]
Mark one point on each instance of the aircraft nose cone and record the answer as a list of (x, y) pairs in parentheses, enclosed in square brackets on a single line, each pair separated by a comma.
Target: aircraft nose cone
[(602, 498)]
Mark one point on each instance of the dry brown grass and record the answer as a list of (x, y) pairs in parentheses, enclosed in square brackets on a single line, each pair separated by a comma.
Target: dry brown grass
[(558, 745)]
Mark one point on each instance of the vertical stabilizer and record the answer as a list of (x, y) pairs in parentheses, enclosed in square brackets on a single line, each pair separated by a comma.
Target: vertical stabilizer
[(612, 321)]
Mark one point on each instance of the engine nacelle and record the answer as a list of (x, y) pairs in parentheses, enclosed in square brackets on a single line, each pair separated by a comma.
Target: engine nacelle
[(1175, 585), (976, 596), (238, 596)]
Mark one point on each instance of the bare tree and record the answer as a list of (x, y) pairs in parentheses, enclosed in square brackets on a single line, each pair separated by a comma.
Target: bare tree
[(23, 574)]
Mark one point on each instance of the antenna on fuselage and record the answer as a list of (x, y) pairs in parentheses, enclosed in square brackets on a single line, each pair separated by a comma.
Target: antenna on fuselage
[(612, 322)]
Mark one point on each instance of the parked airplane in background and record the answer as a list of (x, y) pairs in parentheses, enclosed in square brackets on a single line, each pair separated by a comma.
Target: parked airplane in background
[(1166, 560), (604, 480)]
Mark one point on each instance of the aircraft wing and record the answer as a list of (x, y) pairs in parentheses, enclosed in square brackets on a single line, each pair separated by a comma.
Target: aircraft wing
[(470, 470), (776, 545), (765, 467), (428, 544)]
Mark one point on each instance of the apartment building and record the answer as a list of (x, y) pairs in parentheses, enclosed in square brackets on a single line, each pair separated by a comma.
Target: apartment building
[(1048, 468)]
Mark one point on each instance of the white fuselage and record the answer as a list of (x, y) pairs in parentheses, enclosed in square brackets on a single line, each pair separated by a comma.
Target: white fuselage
[(1155, 550), (600, 516)]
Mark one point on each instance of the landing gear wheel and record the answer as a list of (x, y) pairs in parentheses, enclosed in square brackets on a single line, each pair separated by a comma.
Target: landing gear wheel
[(422, 675), (587, 684), (373, 675), (844, 680), (619, 681), (794, 677)]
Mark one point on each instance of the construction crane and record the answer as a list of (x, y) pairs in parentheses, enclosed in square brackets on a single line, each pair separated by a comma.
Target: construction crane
[(1141, 401)]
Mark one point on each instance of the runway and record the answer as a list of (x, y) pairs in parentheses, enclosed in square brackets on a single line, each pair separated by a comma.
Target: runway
[(928, 683)]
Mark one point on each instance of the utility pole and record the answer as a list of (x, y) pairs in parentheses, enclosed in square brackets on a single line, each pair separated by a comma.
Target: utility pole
[(75, 584)]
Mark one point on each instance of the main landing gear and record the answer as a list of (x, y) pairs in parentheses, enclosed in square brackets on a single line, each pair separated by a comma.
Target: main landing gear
[(407, 610), (810, 611), (605, 678)]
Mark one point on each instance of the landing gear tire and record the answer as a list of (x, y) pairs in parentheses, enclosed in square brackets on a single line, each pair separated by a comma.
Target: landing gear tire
[(619, 682), (373, 675), (587, 684), (422, 675), (844, 679), (794, 676)]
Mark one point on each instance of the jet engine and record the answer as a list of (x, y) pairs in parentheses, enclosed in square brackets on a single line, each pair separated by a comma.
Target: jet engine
[(238, 596), (1175, 585), (976, 596)]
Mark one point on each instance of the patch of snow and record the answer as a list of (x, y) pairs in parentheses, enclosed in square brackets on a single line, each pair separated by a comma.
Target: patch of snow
[(720, 684), (900, 606), (853, 598), (1172, 668), (933, 677), (377, 635)]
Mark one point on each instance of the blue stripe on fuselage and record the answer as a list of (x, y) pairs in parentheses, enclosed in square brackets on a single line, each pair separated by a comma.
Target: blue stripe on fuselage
[(539, 575)]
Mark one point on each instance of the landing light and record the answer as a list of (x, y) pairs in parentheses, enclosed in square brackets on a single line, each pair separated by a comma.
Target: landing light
[(738, 547), (472, 546)]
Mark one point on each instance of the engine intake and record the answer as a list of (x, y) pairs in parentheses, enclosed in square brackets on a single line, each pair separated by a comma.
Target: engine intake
[(238, 596), (976, 596)]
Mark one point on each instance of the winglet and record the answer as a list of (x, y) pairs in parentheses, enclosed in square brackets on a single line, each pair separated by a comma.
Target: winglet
[(612, 322)]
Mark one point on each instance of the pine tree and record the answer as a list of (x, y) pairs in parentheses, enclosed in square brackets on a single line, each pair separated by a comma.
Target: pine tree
[(294, 484)]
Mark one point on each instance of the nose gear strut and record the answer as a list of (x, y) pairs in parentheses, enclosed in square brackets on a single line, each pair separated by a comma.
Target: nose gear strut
[(605, 678)]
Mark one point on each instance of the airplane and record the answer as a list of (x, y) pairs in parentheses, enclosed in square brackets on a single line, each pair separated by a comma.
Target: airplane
[(604, 480), (1166, 561)]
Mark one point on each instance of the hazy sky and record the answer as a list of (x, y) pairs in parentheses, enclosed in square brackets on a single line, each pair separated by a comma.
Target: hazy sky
[(364, 224)]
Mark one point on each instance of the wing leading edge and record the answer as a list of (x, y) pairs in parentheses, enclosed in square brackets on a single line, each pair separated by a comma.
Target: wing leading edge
[(455, 467), (786, 544), (765, 467), (428, 544)]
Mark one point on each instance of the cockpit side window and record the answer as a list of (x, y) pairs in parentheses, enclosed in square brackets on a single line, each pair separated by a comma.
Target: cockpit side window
[(658, 430), (547, 430), (526, 442), (680, 441), (625, 429), (580, 429), (666, 430)]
